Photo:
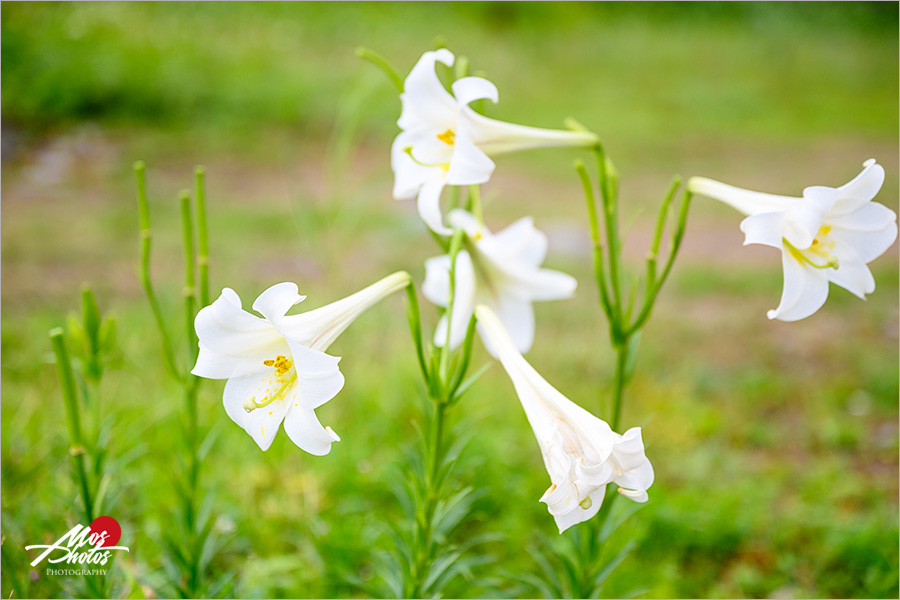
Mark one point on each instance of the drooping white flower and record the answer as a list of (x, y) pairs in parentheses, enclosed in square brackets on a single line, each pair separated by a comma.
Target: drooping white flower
[(581, 453), (500, 270), (829, 234), (445, 142), (276, 366)]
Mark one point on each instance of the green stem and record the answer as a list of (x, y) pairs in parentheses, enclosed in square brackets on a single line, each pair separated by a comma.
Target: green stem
[(466, 360), (190, 292), (380, 61), (415, 327), (599, 274), (202, 237), (657, 236), (677, 238), (610, 220), (70, 400), (619, 383), (190, 390), (435, 453), (455, 244), (190, 401), (475, 203), (144, 212)]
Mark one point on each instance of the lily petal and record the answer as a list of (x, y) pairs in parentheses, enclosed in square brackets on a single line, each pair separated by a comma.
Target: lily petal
[(852, 273), (274, 302), (804, 218), (469, 165), (764, 228), (629, 450), (805, 290), (409, 176), (861, 189), (233, 342), (499, 137), (304, 429), (319, 328), (870, 230), (463, 304), (436, 287), (521, 240), (429, 205), (639, 496), (744, 201), (469, 89), (542, 284), (318, 375), (517, 317), (581, 514), (425, 100), (262, 423)]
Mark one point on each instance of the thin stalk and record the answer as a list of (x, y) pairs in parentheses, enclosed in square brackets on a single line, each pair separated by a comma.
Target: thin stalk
[(190, 389), (146, 238), (415, 327), (475, 203), (677, 238), (190, 292), (597, 245), (619, 383), (70, 401), (202, 237), (466, 359), (657, 237), (610, 221), (455, 244), (435, 454), (380, 61)]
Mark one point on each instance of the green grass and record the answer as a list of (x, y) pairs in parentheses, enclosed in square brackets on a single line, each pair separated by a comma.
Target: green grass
[(775, 445)]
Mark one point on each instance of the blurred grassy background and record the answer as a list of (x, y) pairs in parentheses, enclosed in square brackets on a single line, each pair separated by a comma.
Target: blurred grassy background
[(775, 445)]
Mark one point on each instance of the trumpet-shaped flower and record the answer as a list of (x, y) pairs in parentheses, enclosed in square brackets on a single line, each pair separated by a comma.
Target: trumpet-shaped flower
[(276, 365), (500, 270), (581, 452), (829, 234), (443, 141)]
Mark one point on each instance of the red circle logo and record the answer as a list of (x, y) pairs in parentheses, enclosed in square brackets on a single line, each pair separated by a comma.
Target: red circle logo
[(111, 527)]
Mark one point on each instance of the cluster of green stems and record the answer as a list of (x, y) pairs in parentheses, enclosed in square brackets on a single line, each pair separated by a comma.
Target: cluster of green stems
[(625, 323), (195, 293), (92, 337), (626, 317)]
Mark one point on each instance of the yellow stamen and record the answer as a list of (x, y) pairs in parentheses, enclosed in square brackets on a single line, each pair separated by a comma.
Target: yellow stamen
[(448, 137), (821, 247), (284, 374), (282, 365), (409, 150)]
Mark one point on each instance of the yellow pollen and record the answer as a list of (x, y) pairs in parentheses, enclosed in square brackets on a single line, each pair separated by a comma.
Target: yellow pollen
[(448, 137), (281, 363)]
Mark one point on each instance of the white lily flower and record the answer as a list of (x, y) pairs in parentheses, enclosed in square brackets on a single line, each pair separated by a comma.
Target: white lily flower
[(581, 452), (500, 270), (445, 142), (276, 366), (830, 234)]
